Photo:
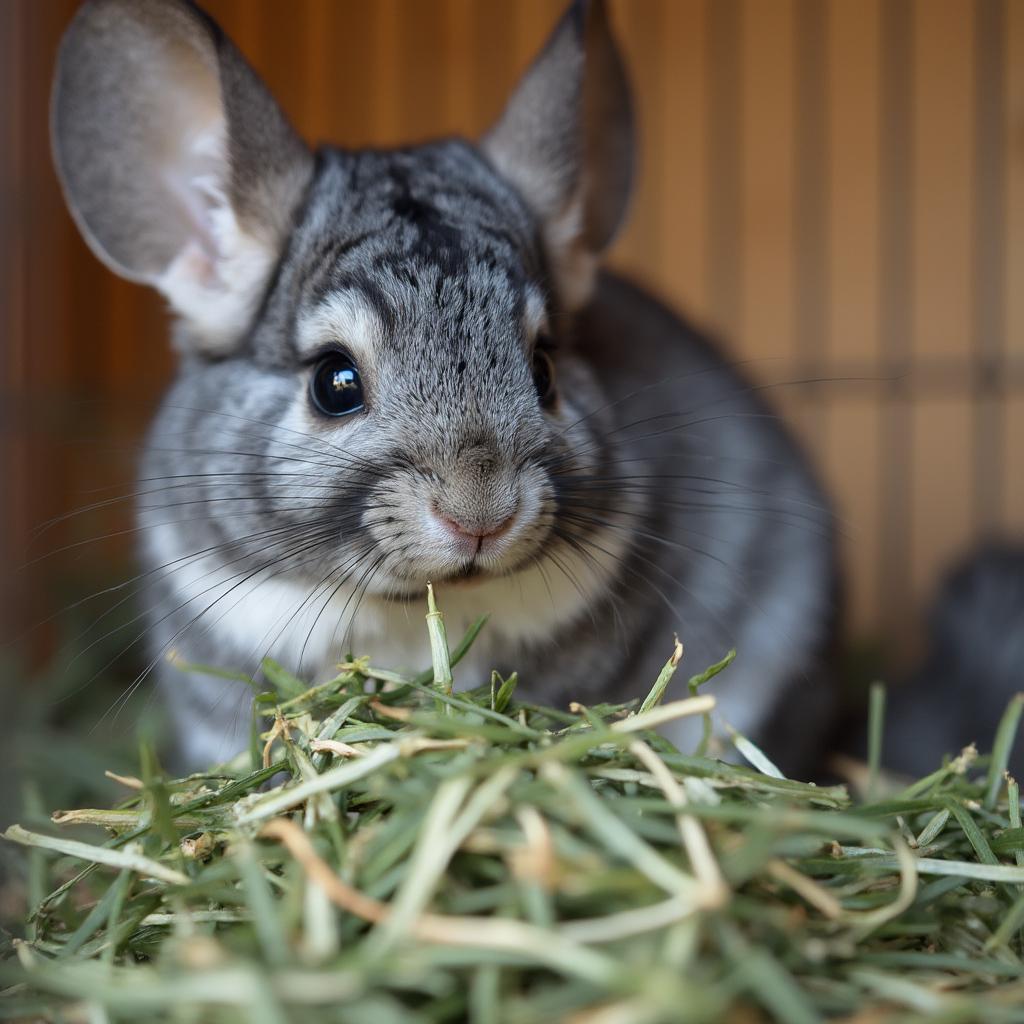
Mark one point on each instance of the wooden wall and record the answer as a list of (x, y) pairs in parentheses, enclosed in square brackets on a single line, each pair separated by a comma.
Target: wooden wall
[(835, 186)]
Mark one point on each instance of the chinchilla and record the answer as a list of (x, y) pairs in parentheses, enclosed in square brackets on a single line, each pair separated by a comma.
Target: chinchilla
[(405, 365), (972, 668)]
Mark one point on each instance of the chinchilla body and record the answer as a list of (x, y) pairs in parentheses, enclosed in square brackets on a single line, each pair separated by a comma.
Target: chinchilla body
[(404, 366)]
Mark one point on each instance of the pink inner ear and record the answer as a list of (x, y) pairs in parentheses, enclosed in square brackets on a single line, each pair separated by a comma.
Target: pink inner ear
[(197, 263), (193, 172)]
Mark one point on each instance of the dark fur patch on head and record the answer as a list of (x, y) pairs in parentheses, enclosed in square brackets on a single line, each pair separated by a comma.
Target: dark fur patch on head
[(430, 225)]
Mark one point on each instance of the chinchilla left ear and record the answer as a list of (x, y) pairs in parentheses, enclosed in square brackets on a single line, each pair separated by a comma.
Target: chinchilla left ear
[(178, 166), (566, 142)]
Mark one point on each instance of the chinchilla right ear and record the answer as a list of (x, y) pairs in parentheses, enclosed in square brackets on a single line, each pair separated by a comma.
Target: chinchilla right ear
[(566, 141), (178, 166)]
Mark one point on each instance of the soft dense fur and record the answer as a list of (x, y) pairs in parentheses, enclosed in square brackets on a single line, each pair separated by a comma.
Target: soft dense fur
[(654, 494), (973, 668)]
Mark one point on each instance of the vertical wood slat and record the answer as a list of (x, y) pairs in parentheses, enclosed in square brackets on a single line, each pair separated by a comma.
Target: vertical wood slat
[(680, 156), (854, 141), (941, 239), (851, 333), (640, 29), (766, 327), (15, 510), (48, 323), (988, 299), (458, 19), (894, 268), (1013, 134), (1013, 269), (724, 156), (943, 89), (811, 224)]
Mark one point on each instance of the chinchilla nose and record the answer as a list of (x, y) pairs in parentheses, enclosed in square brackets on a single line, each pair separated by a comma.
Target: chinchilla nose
[(479, 502), (470, 530)]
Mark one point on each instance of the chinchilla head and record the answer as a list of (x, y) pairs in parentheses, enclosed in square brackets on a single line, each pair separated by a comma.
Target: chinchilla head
[(378, 379)]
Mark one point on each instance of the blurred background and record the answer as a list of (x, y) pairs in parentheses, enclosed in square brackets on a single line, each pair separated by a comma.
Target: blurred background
[(835, 188)]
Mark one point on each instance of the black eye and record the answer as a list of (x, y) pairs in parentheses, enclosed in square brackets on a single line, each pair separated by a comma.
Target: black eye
[(544, 376), (335, 388)]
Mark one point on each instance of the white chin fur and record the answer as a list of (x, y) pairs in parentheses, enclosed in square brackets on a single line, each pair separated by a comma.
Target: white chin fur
[(277, 617)]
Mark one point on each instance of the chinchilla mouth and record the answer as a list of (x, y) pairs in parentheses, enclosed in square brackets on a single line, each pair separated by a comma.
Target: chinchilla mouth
[(467, 576)]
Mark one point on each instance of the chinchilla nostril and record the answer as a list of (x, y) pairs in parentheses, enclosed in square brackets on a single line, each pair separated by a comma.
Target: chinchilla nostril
[(476, 529)]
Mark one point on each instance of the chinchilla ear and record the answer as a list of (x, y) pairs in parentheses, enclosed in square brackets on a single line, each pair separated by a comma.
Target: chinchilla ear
[(178, 166), (565, 141)]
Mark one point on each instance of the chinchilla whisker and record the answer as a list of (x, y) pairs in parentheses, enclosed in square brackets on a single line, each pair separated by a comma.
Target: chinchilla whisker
[(638, 481), (348, 568), (567, 470), (357, 594), (655, 484), (647, 535), (169, 644), (573, 581), (183, 479), (264, 498), (178, 564), (640, 516), (683, 427), (589, 478), (585, 537), (138, 580), (358, 590), (735, 586), (323, 460), (595, 568), (129, 530), (664, 382), (799, 518), (692, 499), (265, 456), (537, 560), (135, 495), (564, 462), (795, 518), (312, 503), (139, 637), (325, 584), (331, 459), (736, 393), (686, 425), (588, 539), (332, 448), (567, 537)]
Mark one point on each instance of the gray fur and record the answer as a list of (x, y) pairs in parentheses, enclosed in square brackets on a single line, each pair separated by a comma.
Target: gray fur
[(657, 495), (973, 667)]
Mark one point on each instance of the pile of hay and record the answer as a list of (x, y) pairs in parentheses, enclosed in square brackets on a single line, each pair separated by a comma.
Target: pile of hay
[(393, 851)]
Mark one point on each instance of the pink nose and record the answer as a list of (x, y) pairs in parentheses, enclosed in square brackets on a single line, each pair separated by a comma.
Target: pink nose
[(477, 531)]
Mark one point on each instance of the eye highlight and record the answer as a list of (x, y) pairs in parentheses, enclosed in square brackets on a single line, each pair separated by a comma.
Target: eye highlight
[(544, 376), (335, 388)]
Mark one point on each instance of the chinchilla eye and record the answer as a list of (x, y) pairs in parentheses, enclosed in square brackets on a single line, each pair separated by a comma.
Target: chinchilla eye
[(544, 376), (335, 388)]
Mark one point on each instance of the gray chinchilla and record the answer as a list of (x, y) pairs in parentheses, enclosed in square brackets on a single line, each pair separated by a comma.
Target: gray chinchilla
[(405, 365)]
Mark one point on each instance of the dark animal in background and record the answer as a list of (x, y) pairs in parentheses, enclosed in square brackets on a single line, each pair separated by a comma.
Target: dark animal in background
[(973, 667)]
